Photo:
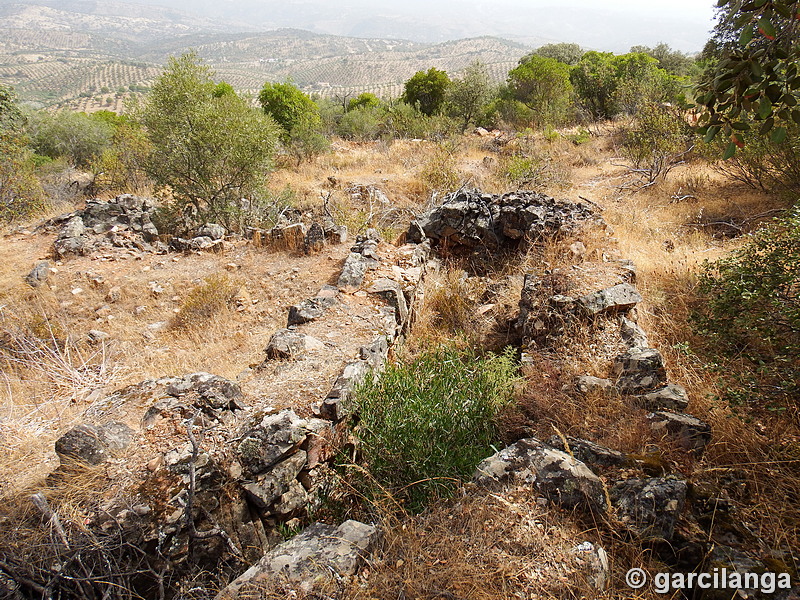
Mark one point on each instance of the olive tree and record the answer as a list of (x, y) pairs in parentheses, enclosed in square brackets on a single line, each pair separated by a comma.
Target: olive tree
[(209, 150)]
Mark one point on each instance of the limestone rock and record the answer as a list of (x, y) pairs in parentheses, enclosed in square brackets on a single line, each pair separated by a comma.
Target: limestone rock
[(640, 370), (649, 507), (590, 453), (212, 231), (336, 405), (670, 397), (38, 274), (355, 267), (72, 239), (270, 441), (555, 474), (286, 343), (392, 292), (632, 334), (315, 239), (318, 556), (91, 444), (268, 487), (618, 298), (587, 384), (690, 432)]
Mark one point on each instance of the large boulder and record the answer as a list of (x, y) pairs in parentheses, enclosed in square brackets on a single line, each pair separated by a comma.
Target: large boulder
[(469, 220), (670, 397), (590, 453), (555, 474), (690, 432)]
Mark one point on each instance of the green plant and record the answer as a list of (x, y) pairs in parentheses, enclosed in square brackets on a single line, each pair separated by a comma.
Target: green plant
[(751, 307), (426, 423), (543, 86), (468, 95), (289, 106), (426, 90), (207, 300), (208, 151), (78, 137)]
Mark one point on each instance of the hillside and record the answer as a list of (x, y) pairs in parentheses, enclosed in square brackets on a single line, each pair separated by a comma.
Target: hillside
[(59, 57)]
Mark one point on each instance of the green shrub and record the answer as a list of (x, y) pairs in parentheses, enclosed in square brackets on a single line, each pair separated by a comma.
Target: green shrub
[(751, 307), (425, 424)]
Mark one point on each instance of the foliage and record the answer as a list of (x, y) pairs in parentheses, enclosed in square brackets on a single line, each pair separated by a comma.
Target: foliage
[(210, 152), (20, 191), (404, 121), (543, 85), (426, 424), (467, 96), (607, 85), (672, 61), (289, 106), (752, 304), (426, 90), (756, 75), (657, 141), (569, 54), (762, 163), (78, 137), (121, 166), (206, 301), (363, 100), (306, 141), (364, 123)]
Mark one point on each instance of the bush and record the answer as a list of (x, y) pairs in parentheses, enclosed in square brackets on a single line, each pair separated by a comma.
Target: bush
[(78, 137), (207, 300), (362, 124), (425, 424), (752, 307)]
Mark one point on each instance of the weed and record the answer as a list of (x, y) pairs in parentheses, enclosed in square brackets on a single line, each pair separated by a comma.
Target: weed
[(215, 294), (426, 424)]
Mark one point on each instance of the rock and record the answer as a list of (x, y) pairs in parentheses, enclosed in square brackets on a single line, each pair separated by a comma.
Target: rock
[(392, 292), (268, 487), (315, 239), (594, 561), (640, 370), (72, 239), (355, 267), (286, 343), (96, 336), (293, 501), (618, 298), (308, 310), (670, 397), (470, 220), (376, 353), (212, 231), (555, 474), (92, 444), (290, 237), (690, 432), (114, 294), (590, 453), (578, 251), (586, 384), (319, 556), (649, 507), (628, 268), (38, 274), (336, 405), (633, 335), (270, 441)]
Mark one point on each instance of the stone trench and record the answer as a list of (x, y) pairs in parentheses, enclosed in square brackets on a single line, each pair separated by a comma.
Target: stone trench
[(203, 472)]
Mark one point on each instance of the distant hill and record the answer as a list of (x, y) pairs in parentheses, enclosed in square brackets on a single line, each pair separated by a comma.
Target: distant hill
[(92, 55)]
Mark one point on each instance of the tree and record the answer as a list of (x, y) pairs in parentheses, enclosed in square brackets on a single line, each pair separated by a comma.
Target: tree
[(756, 76), (289, 106), (568, 54), (364, 100), (78, 137), (594, 80), (468, 95), (672, 61), (426, 90), (20, 191), (542, 84), (210, 151)]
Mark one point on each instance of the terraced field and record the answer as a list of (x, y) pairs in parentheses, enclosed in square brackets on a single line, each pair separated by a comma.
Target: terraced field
[(57, 66)]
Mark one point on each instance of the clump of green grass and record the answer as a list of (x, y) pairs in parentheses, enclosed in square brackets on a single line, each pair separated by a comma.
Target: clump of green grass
[(210, 298), (426, 423)]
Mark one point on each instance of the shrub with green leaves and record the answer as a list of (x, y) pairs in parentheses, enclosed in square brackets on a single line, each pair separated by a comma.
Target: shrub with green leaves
[(425, 424), (752, 306)]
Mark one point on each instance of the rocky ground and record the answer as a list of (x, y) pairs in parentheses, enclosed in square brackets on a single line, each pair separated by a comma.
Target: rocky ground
[(189, 438)]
